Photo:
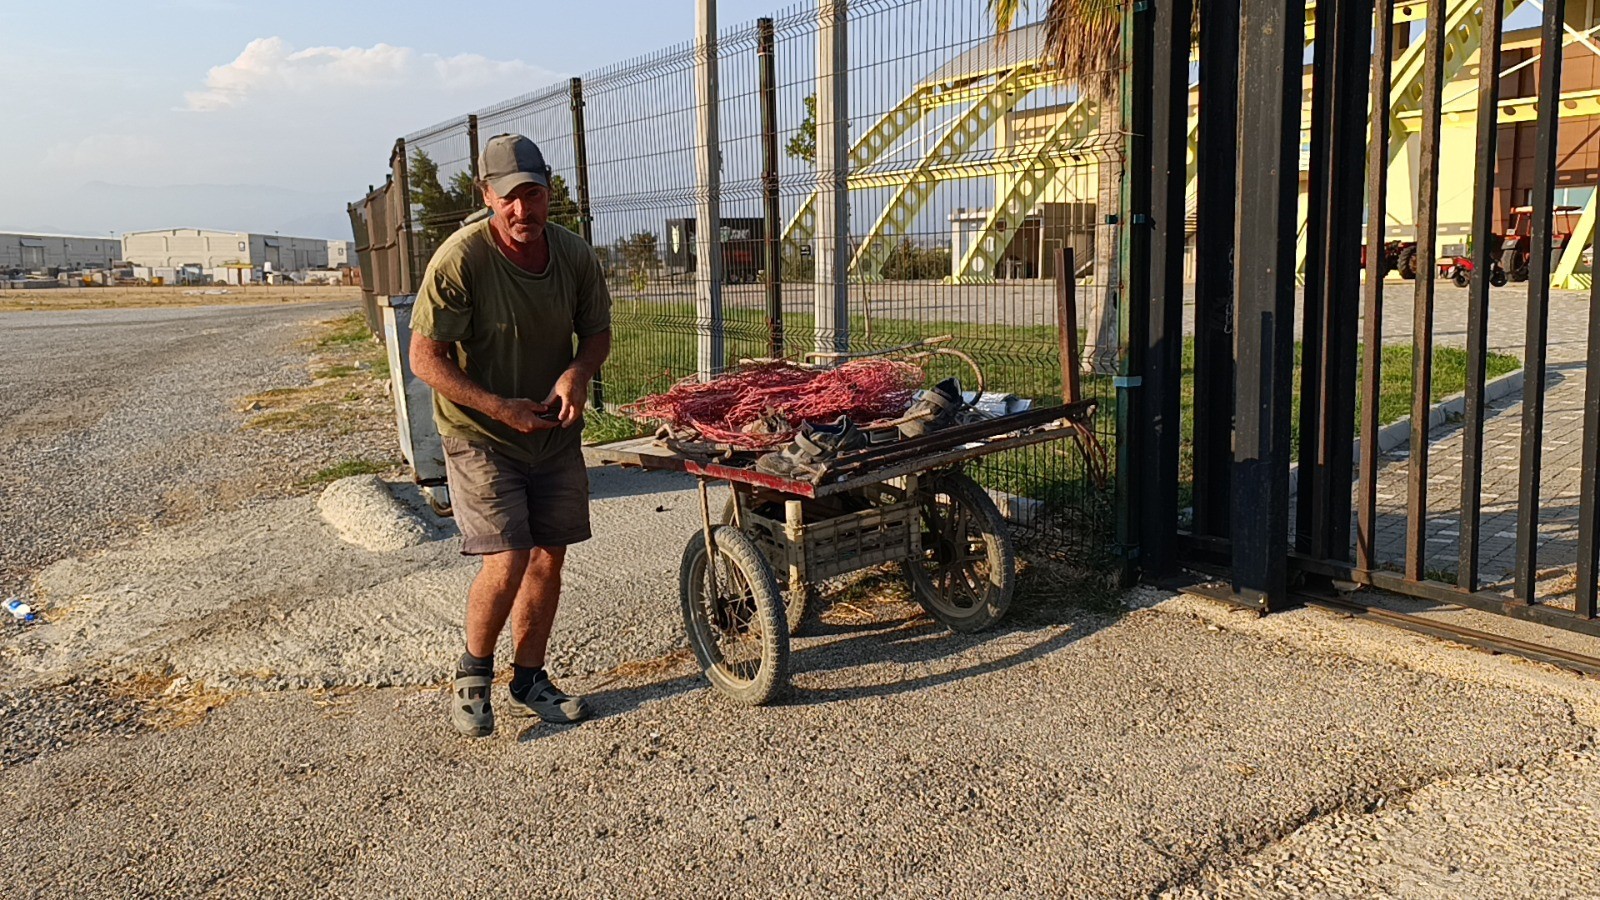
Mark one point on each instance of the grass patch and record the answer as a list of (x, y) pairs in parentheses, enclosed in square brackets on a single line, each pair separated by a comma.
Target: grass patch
[(349, 369), (601, 427), (347, 469)]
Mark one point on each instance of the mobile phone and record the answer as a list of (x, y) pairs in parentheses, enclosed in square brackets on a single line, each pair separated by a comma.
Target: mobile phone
[(553, 414)]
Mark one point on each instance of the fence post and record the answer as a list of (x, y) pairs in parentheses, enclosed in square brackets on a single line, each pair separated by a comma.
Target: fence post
[(772, 253), (408, 276), (580, 155), (708, 225), (472, 157), (1133, 282), (831, 299)]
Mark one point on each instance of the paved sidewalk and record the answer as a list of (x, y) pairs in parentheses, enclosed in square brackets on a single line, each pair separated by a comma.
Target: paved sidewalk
[(1561, 447)]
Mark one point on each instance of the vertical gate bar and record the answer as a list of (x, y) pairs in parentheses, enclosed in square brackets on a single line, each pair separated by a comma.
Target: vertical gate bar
[(1537, 344), (1588, 510), (1270, 49), (1422, 305), (1484, 257), (1313, 310), (580, 157), (1216, 173), (766, 50), (472, 158), (1342, 302), (1169, 152), (1133, 308), (1372, 312)]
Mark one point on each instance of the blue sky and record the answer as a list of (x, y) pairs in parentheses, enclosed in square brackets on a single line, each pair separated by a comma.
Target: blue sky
[(270, 116)]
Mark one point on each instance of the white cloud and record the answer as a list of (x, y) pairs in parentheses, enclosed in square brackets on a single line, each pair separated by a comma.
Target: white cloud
[(269, 68)]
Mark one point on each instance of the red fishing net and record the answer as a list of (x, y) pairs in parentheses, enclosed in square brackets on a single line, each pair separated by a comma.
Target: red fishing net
[(760, 405)]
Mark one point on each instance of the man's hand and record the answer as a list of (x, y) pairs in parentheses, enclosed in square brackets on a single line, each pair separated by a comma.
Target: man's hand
[(572, 390), (523, 414)]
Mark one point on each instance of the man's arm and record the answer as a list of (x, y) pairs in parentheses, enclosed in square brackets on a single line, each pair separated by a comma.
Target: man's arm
[(435, 363), (573, 385)]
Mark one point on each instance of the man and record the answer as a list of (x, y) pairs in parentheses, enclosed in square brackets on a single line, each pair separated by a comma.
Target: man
[(492, 333)]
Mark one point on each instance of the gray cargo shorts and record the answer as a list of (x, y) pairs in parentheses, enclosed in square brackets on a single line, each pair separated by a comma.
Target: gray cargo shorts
[(502, 503)]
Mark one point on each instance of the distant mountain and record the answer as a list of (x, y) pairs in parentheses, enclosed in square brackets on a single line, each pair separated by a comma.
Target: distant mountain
[(225, 207)]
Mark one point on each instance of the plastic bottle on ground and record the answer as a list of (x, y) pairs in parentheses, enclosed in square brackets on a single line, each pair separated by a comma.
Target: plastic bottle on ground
[(20, 610)]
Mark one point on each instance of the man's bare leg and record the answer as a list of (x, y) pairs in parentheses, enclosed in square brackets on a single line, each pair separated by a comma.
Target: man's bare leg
[(492, 597), (535, 609)]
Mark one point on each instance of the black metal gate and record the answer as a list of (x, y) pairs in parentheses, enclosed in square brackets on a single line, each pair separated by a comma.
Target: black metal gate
[(1248, 459)]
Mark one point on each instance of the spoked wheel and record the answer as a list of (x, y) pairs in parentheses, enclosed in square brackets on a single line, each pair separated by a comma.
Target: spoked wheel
[(734, 616), (800, 606), (966, 572)]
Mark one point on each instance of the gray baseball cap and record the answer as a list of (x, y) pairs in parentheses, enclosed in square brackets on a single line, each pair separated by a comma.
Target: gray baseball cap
[(511, 160)]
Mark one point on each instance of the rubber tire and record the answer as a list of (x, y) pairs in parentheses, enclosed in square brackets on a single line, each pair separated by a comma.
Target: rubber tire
[(771, 678), (1460, 279), (1406, 263), (800, 607), (1497, 277), (1001, 553)]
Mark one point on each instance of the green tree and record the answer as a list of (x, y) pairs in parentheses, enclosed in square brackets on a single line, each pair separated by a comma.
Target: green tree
[(441, 207), (640, 257), (803, 143)]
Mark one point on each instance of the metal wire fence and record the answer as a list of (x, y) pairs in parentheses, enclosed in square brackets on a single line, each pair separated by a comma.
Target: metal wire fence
[(969, 166)]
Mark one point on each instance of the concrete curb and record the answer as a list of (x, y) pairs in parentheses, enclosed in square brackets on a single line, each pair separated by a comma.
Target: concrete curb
[(1396, 434)]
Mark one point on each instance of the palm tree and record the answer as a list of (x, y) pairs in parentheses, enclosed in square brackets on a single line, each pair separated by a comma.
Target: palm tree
[(1083, 44)]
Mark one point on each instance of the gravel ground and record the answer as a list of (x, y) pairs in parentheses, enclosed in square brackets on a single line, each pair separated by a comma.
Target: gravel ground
[(232, 696), (115, 423)]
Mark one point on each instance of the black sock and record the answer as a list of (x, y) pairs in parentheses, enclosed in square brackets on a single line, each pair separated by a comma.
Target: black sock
[(523, 677), (474, 665)]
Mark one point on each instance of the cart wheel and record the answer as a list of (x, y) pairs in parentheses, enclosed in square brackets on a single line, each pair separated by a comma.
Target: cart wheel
[(735, 618), (1461, 279), (799, 607), (966, 572)]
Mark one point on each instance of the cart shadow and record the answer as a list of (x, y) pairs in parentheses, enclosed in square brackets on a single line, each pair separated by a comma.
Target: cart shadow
[(922, 641)]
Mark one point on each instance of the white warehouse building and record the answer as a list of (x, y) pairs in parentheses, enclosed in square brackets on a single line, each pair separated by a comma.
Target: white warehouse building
[(176, 247), (20, 250)]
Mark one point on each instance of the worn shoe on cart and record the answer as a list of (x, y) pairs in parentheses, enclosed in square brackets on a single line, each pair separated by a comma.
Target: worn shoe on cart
[(541, 698), (813, 451), (936, 408)]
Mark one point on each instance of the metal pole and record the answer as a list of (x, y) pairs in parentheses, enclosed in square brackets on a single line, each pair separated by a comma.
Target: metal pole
[(1484, 253), (708, 224), (472, 158), (772, 250), (1067, 324), (580, 155), (1169, 86), (1372, 314), (1422, 304), (1536, 345), (831, 252), (1270, 51), (1216, 171)]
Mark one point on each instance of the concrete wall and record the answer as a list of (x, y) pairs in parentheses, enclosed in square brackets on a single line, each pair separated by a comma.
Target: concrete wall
[(210, 249), (180, 246), (57, 251)]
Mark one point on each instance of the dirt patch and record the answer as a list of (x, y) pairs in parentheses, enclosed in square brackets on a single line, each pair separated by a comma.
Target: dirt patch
[(152, 297), (171, 701)]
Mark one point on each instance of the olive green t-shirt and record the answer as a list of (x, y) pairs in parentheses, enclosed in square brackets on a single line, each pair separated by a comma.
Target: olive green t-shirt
[(512, 329)]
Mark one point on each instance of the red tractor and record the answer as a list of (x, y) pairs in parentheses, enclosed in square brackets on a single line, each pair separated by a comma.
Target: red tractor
[(1516, 246), (1400, 255)]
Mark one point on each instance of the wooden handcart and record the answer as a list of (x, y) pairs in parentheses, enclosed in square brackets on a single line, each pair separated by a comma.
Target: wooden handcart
[(748, 579)]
